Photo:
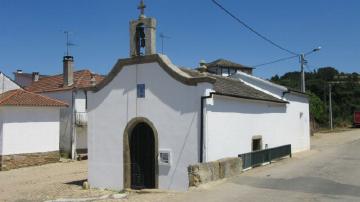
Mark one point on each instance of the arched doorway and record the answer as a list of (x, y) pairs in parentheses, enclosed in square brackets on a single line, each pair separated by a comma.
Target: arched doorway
[(142, 156)]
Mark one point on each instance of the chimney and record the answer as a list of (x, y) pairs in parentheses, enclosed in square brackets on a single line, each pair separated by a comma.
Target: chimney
[(93, 79), (202, 67), (35, 76), (68, 71)]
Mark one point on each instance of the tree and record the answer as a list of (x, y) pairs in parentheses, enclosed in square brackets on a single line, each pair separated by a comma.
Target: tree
[(327, 73), (317, 108)]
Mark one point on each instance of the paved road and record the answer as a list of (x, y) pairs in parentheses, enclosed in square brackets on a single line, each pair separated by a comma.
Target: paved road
[(329, 172)]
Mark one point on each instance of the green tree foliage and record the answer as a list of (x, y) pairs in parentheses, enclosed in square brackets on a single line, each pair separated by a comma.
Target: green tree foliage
[(317, 108), (345, 93)]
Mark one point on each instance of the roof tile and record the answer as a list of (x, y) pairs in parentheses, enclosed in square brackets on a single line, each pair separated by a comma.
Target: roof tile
[(82, 79), (234, 87), (21, 97)]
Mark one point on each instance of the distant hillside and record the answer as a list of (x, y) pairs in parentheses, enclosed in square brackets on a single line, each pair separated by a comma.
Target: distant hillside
[(345, 93)]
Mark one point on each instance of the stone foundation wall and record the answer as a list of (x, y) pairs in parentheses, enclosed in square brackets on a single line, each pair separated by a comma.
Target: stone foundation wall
[(210, 171), (8, 162)]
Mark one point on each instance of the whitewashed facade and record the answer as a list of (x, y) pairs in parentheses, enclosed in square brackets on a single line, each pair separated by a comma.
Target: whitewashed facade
[(7, 84), (174, 109), (29, 130)]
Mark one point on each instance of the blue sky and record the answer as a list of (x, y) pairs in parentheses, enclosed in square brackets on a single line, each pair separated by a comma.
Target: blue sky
[(32, 39)]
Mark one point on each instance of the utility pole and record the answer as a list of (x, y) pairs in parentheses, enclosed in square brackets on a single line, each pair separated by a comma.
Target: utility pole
[(302, 63), (330, 108)]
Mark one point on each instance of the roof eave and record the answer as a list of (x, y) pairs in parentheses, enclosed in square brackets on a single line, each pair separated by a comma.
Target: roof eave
[(251, 98), (162, 60)]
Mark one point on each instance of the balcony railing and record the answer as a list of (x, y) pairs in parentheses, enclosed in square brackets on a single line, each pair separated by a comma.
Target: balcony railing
[(81, 118)]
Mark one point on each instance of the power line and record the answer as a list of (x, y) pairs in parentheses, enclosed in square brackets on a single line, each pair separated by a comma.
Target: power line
[(253, 30), (275, 61)]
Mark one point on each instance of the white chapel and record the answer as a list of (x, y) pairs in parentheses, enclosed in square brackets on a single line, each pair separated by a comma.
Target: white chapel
[(148, 119)]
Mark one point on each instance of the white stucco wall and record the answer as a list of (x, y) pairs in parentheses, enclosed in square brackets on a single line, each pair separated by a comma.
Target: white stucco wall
[(298, 106), (171, 106), (1, 132), (234, 122), (29, 130), (6, 84), (65, 118)]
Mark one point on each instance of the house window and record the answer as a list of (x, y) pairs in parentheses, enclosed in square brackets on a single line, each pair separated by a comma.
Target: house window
[(256, 143), (140, 90)]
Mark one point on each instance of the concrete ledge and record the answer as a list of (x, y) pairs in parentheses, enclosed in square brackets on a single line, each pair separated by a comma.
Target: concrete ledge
[(210, 171), (8, 162)]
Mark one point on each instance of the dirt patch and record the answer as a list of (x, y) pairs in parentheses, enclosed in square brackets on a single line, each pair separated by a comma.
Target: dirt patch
[(52, 181)]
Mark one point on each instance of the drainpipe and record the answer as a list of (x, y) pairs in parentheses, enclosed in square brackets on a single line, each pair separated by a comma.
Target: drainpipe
[(203, 98)]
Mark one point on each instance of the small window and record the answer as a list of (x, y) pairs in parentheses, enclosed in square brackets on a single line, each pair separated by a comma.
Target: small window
[(141, 90), (256, 144)]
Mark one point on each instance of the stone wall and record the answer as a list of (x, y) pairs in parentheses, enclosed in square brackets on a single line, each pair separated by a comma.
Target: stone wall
[(8, 162), (210, 171)]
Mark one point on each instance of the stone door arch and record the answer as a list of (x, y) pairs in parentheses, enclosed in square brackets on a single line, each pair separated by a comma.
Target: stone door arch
[(137, 129)]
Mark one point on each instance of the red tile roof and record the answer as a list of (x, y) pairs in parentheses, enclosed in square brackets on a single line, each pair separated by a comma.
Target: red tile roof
[(21, 97), (82, 79)]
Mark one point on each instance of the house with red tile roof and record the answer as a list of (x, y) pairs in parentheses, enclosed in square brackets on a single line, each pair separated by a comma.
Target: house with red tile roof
[(70, 87), (29, 129)]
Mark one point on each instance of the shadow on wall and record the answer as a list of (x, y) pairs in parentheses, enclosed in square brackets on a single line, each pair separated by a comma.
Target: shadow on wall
[(1, 139), (295, 98), (181, 153), (25, 116), (245, 107)]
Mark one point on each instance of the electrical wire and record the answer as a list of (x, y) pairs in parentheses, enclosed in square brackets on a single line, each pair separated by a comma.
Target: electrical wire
[(253, 30), (275, 61)]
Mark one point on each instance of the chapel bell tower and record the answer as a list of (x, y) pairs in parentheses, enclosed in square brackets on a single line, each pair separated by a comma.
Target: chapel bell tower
[(142, 34)]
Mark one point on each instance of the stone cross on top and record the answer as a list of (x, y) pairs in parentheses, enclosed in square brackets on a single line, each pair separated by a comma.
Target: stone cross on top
[(142, 7)]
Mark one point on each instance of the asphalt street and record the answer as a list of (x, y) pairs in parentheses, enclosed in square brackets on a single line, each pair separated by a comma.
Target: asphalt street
[(329, 172)]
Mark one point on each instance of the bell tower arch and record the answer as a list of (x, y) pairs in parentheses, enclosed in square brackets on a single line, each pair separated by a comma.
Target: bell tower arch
[(142, 34)]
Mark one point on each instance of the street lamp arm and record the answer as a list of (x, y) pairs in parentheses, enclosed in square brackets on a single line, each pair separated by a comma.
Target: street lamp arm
[(314, 50)]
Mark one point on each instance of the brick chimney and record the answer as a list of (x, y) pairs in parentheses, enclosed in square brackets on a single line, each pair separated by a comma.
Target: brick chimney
[(68, 70)]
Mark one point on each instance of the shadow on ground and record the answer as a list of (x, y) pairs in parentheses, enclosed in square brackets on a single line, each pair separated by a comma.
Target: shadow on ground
[(314, 185), (77, 182)]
